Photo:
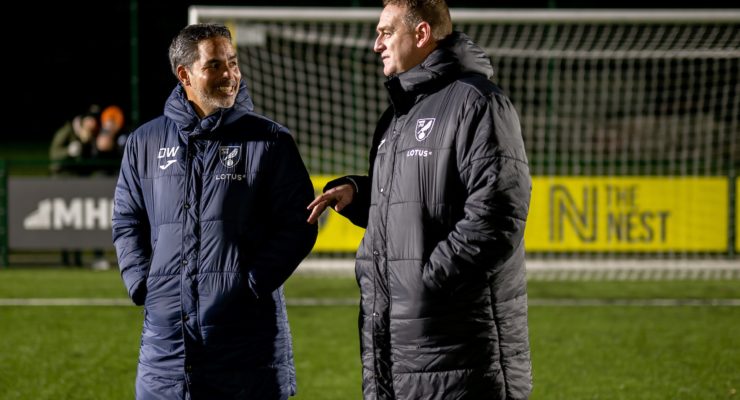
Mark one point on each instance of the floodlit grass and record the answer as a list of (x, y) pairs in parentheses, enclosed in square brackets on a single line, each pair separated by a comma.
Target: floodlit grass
[(578, 352), (60, 283), (630, 353), (327, 355), (75, 353), (78, 282)]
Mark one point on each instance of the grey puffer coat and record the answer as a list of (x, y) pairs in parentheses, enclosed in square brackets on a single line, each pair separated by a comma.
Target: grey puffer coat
[(441, 266)]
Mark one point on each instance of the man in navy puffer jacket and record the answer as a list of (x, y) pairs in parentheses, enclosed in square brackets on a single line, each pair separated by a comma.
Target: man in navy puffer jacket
[(209, 222)]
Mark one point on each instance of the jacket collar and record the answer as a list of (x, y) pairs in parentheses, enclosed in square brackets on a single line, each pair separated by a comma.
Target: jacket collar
[(178, 108), (454, 56)]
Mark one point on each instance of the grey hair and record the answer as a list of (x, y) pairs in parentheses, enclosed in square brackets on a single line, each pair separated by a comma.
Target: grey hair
[(434, 12), (184, 47)]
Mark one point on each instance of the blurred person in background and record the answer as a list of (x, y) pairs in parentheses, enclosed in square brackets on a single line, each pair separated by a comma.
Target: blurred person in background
[(106, 159), (110, 141), (209, 221), (441, 267), (73, 144), (71, 154)]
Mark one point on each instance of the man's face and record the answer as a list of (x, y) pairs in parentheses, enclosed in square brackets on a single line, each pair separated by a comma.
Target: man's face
[(213, 80), (396, 42)]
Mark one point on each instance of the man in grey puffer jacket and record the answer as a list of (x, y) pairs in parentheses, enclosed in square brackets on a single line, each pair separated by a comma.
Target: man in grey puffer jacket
[(441, 269)]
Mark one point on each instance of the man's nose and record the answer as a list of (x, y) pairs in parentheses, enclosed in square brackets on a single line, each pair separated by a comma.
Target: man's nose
[(378, 46)]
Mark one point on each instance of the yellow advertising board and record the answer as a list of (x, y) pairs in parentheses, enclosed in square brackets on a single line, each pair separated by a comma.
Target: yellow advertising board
[(336, 233), (599, 214), (628, 214)]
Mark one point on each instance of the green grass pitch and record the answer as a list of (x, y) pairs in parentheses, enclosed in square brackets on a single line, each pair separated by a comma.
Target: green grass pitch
[(590, 351)]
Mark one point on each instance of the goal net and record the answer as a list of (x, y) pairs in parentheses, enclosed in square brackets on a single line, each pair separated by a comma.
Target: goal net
[(631, 119)]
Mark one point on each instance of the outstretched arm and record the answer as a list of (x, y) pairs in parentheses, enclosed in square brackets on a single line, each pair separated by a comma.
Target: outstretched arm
[(337, 198), (350, 195)]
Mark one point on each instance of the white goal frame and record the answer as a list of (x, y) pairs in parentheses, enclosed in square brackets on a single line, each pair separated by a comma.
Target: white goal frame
[(597, 266), (199, 13)]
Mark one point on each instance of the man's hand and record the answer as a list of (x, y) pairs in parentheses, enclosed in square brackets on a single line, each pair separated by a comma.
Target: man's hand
[(336, 197), (138, 293)]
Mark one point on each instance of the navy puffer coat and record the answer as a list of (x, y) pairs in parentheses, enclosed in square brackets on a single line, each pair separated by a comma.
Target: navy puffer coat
[(209, 221)]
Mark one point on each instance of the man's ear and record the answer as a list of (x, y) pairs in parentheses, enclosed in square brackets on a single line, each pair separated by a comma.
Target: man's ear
[(423, 33), (183, 75)]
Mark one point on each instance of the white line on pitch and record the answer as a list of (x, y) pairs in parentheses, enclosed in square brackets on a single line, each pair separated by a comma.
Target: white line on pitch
[(634, 302), (319, 302)]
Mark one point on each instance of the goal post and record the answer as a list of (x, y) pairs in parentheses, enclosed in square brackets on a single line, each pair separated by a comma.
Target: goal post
[(631, 118)]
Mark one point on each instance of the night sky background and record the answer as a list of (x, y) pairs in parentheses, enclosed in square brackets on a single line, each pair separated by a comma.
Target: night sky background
[(61, 57)]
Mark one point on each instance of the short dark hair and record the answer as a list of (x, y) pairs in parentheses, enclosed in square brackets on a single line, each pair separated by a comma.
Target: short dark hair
[(184, 47), (434, 12)]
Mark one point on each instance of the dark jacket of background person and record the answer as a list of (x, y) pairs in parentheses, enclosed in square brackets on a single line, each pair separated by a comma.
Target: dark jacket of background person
[(73, 145), (71, 153), (441, 266), (209, 221)]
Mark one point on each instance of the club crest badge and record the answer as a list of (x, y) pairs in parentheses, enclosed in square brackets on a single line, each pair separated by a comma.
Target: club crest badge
[(229, 155), (423, 128)]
